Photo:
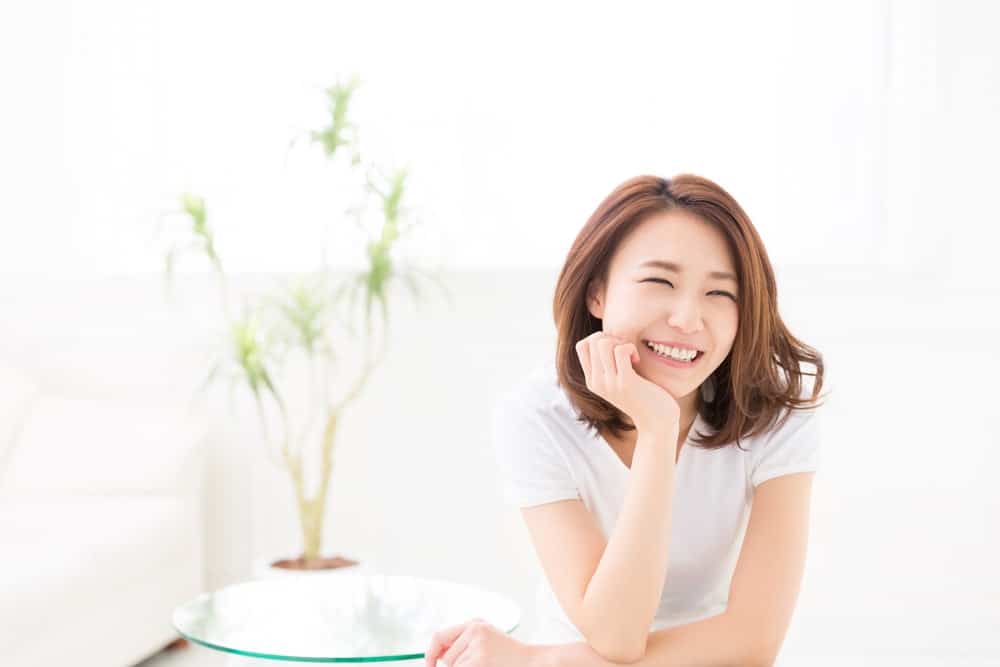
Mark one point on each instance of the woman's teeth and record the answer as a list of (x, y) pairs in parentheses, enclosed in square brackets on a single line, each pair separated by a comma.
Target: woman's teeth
[(672, 352)]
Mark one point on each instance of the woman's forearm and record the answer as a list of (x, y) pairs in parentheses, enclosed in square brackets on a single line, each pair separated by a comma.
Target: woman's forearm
[(621, 599), (722, 640)]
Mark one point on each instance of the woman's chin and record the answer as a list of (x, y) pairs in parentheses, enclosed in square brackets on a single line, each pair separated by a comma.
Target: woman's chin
[(667, 386)]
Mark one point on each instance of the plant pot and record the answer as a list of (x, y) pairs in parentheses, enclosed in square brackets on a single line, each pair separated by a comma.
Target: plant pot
[(270, 567)]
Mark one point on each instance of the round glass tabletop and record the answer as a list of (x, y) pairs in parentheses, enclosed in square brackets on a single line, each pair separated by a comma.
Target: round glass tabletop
[(337, 617)]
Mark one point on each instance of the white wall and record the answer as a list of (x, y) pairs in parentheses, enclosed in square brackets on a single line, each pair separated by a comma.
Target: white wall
[(843, 128)]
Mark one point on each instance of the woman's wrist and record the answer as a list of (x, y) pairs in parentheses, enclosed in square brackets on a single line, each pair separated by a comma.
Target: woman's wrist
[(659, 435), (547, 656)]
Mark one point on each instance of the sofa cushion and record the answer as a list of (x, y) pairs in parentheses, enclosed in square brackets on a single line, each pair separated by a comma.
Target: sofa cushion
[(101, 446), (17, 390), (65, 558)]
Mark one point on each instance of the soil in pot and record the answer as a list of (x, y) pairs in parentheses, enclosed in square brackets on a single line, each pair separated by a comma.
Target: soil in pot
[(321, 563)]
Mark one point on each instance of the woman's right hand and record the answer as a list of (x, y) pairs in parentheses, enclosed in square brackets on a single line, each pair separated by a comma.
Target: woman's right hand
[(607, 366)]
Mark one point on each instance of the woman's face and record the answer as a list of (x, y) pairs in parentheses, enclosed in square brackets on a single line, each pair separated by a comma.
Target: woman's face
[(687, 304)]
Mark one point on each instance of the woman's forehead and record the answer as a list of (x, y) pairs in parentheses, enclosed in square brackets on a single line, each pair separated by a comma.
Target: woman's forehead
[(680, 242)]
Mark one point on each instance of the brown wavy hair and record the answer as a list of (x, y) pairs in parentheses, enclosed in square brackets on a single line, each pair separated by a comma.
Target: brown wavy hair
[(760, 378)]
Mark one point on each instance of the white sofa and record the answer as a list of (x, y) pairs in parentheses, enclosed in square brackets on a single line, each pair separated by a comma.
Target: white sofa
[(100, 523)]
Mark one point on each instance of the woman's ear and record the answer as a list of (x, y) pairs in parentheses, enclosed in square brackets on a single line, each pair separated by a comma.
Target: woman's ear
[(595, 299)]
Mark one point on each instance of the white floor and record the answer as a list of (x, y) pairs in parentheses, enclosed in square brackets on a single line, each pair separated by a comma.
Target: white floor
[(197, 656), (190, 656)]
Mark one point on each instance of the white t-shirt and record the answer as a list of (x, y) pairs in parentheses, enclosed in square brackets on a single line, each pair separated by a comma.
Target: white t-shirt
[(544, 454)]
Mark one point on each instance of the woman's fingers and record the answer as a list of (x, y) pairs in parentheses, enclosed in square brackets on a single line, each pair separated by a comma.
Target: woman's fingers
[(623, 357), (469, 631), (605, 352), (600, 360), (633, 354), (588, 356), (452, 655), (441, 641)]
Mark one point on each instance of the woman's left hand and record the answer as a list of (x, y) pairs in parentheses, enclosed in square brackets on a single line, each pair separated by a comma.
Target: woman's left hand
[(476, 643)]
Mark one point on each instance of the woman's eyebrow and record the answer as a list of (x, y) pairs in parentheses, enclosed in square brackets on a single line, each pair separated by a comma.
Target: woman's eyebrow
[(671, 266)]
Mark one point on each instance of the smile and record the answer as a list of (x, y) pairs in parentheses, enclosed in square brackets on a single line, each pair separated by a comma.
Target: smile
[(676, 357)]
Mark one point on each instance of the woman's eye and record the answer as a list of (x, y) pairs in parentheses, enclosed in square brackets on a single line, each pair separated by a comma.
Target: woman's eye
[(667, 282)]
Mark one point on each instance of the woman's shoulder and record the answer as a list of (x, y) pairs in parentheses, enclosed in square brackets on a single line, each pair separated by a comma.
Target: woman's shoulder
[(792, 443), (538, 390), (790, 419)]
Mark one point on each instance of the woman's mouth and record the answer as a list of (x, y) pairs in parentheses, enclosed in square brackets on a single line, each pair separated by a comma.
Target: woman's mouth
[(673, 356)]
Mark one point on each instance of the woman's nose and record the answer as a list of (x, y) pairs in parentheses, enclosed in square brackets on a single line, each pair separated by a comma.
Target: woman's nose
[(685, 316)]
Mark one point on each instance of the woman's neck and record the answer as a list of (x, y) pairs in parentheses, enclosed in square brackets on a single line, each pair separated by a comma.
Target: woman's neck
[(689, 412)]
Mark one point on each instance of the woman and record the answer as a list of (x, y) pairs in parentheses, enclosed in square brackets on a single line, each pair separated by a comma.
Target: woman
[(675, 432)]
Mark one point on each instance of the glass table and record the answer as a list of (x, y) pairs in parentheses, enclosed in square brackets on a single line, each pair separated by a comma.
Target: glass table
[(336, 617)]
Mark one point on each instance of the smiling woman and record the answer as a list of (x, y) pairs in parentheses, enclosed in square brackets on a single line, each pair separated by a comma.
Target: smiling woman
[(676, 401), (683, 247)]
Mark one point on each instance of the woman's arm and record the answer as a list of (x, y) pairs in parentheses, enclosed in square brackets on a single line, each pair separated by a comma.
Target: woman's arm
[(717, 641), (621, 599), (762, 595)]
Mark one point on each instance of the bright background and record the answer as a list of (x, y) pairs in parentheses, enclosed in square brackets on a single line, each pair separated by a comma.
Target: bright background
[(859, 136)]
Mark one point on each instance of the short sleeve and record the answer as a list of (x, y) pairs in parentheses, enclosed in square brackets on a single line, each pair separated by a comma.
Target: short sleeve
[(795, 447), (531, 468)]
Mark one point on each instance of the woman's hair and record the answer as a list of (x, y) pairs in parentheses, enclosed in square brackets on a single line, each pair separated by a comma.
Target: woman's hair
[(759, 377)]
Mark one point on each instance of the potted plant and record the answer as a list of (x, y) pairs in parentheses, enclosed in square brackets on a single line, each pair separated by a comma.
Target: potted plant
[(297, 319)]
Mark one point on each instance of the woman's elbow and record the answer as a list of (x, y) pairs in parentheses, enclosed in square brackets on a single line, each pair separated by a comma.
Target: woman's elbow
[(618, 652)]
